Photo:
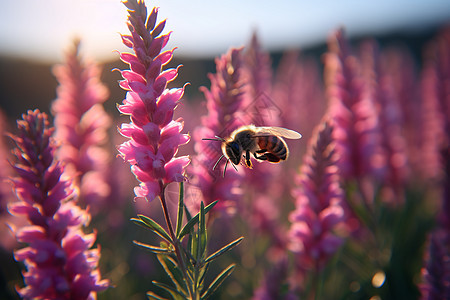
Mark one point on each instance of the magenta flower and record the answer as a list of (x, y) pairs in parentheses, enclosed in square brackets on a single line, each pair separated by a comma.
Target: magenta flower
[(59, 261), (224, 101), (436, 106), (7, 240), (379, 86), (397, 65), (298, 83), (436, 273), (437, 131), (260, 108), (257, 74), (81, 126), (320, 207), (353, 113), (272, 287), (154, 135), (5, 169)]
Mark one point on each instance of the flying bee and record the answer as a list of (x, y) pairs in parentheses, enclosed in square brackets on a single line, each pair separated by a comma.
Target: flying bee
[(265, 143)]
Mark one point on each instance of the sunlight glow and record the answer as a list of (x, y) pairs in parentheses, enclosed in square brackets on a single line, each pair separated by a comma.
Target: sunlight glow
[(378, 279), (44, 28)]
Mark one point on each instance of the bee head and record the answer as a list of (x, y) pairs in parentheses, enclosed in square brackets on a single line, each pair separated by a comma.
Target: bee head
[(234, 152)]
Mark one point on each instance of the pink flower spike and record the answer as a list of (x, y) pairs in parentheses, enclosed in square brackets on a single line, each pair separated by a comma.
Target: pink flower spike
[(53, 219), (319, 204), (224, 101), (352, 111), (82, 124), (155, 136)]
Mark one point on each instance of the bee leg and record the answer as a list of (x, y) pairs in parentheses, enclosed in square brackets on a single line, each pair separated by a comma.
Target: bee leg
[(261, 157), (248, 162)]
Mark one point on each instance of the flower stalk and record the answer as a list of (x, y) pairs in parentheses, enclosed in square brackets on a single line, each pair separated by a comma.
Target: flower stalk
[(154, 138), (59, 261)]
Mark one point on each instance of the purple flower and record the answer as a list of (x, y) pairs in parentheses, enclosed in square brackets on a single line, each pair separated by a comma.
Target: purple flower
[(224, 102), (353, 113), (5, 169), (397, 66), (298, 83), (260, 108), (81, 126), (153, 135), (437, 269), (257, 74), (436, 106), (379, 87), (320, 208), (273, 285), (437, 131), (7, 240), (59, 261)]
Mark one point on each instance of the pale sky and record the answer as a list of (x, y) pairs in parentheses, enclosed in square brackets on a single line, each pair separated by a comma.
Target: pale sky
[(43, 29)]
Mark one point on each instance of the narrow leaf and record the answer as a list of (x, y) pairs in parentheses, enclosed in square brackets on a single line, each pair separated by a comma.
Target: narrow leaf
[(218, 281), (180, 209), (188, 214), (194, 245), (202, 273), (173, 292), (155, 227), (154, 249), (152, 295), (189, 225), (198, 236), (173, 271), (140, 223), (186, 251), (202, 233), (224, 249)]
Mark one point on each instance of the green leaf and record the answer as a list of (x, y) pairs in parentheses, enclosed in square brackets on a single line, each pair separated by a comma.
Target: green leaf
[(224, 249), (180, 209), (173, 271), (187, 252), (202, 273), (218, 281), (188, 214), (152, 225), (194, 246), (152, 295), (202, 237), (190, 224), (154, 249), (176, 295)]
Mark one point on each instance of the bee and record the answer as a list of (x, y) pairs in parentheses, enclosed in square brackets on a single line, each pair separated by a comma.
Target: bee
[(264, 143)]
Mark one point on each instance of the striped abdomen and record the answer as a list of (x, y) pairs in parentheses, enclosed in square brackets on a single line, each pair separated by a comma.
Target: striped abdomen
[(273, 148)]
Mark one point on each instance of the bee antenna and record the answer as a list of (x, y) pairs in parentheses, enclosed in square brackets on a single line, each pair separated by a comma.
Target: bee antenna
[(217, 162), (225, 168), (234, 167), (217, 138), (226, 164)]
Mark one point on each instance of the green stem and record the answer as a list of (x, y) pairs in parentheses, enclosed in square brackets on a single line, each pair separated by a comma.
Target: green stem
[(175, 241)]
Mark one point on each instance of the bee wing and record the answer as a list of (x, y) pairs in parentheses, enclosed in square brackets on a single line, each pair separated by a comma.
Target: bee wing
[(278, 131)]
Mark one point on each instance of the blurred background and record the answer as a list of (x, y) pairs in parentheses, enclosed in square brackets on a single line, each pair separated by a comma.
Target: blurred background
[(34, 35)]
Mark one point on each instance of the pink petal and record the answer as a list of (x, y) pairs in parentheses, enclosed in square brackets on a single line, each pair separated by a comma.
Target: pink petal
[(165, 56), (175, 169), (132, 77), (148, 190)]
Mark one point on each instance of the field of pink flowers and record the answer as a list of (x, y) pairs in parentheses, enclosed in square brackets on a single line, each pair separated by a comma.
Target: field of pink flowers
[(359, 210)]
